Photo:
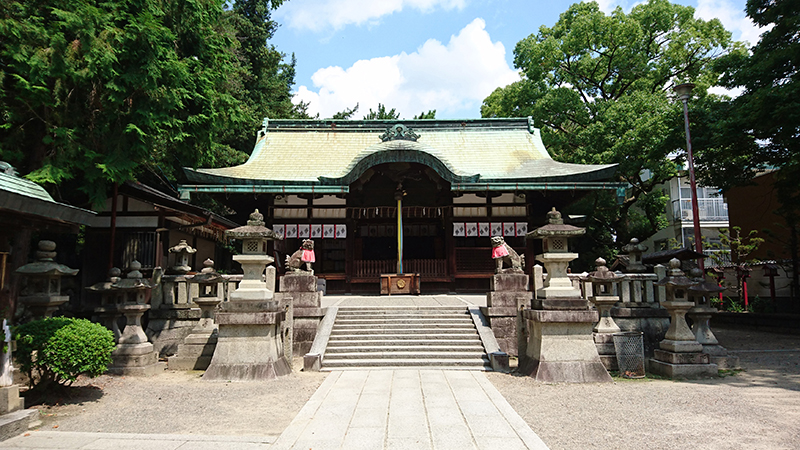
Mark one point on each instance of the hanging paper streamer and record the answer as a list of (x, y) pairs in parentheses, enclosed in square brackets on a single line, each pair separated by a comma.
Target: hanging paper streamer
[(497, 228), (483, 229), (280, 230), (316, 231), (459, 230), (304, 231)]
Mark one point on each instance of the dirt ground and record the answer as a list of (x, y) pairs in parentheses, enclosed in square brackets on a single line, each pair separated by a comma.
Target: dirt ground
[(756, 408), (178, 402)]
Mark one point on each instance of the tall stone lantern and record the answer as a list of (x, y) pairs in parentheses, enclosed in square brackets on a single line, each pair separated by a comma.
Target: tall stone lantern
[(197, 349), (250, 344), (679, 355), (603, 281), (560, 343), (42, 295), (134, 354), (556, 257), (634, 251), (700, 314)]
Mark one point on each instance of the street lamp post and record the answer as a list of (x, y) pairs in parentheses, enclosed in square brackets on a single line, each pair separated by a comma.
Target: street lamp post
[(684, 92)]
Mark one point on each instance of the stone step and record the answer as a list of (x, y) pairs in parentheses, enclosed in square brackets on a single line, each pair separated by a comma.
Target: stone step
[(401, 349), (484, 368), (402, 330), (468, 363), (400, 325), (383, 314), (400, 309), (407, 339), (422, 355), (465, 320)]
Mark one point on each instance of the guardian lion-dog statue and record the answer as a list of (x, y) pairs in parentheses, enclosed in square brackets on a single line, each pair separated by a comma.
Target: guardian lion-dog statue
[(504, 255), (305, 255)]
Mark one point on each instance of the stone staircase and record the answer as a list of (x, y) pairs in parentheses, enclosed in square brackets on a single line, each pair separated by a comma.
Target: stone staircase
[(442, 337)]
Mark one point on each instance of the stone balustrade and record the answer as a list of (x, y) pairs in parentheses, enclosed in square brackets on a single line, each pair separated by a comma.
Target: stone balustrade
[(636, 289)]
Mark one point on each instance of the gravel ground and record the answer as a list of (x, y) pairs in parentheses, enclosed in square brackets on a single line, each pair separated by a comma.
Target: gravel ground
[(757, 408), (178, 402)]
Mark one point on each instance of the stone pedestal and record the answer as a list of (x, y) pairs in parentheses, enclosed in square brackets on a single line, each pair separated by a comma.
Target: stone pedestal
[(561, 348), (306, 308), (701, 317), (680, 355), (508, 296), (249, 344), (197, 348), (134, 355)]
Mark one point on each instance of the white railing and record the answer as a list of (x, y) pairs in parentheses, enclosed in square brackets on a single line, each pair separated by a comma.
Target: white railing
[(634, 288), (711, 209)]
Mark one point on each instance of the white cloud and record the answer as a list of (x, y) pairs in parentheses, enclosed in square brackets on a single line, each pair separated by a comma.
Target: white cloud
[(449, 78), (732, 16), (318, 15)]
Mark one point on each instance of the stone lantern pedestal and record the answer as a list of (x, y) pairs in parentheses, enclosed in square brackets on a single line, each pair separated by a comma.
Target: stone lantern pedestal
[(560, 345), (509, 295), (299, 291), (42, 294), (603, 298), (701, 322), (679, 355), (108, 313), (250, 342), (197, 349), (134, 354)]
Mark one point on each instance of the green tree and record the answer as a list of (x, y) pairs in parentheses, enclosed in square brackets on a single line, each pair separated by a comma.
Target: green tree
[(599, 87), (431, 114), (381, 113), (768, 110), (101, 92)]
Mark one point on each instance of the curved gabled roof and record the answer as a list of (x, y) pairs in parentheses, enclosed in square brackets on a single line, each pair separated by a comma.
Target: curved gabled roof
[(337, 152)]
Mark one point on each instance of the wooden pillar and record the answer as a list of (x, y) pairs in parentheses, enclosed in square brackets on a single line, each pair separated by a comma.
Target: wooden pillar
[(450, 247), (349, 252)]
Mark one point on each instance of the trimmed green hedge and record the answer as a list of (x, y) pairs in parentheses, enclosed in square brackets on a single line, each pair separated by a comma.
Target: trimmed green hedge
[(58, 349)]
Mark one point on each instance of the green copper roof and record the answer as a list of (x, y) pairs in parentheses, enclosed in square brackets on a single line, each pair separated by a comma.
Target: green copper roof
[(337, 152), (24, 196)]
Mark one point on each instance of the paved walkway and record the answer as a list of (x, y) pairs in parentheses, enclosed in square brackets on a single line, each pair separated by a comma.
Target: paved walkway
[(407, 409)]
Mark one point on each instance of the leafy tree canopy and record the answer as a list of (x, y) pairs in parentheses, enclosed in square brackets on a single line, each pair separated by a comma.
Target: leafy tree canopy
[(599, 87), (95, 92)]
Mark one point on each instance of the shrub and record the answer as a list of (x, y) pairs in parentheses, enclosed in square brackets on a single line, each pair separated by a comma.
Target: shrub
[(58, 349)]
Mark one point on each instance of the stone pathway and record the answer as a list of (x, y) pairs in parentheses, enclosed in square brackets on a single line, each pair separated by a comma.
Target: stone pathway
[(407, 409)]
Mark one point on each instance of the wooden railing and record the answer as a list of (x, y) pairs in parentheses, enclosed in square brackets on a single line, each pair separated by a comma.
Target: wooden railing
[(424, 267)]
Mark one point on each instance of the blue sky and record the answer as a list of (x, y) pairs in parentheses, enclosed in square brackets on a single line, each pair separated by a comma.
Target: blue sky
[(416, 55)]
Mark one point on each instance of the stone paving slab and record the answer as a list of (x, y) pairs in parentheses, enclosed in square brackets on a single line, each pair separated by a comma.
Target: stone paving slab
[(407, 409), (69, 440)]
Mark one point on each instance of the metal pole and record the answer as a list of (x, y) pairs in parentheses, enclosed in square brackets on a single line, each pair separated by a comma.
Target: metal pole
[(698, 238)]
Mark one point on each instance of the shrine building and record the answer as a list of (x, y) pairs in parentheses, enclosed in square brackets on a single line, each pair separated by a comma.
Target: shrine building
[(455, 183)]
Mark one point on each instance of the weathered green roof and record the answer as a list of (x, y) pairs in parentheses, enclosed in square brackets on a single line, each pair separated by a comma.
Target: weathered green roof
[(337, 152), (24, 196)]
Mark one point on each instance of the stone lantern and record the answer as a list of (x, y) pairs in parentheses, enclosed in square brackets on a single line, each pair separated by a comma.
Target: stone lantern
[(556, 257), (197, 349), (42, 295), (134, 354), (634, 251), (700, 314), (603, 281), (560, 345), (680, 355), (108, 313), (250, 342), (182, 252)]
